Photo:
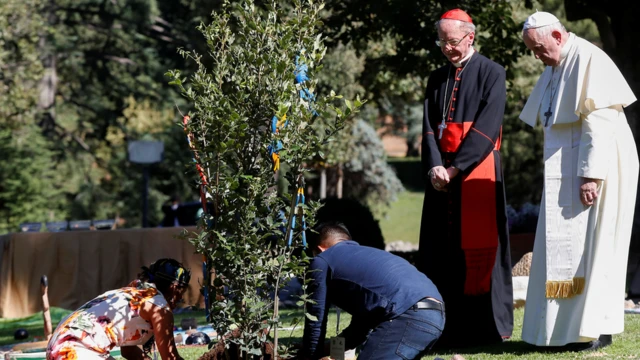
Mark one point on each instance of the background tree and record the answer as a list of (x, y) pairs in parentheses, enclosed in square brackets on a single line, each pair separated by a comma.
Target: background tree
[(355, 163), (75, 74), (27, 182), (403, 35), (108, 57)]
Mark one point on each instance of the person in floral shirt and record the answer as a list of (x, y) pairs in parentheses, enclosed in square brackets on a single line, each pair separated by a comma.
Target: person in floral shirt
[(127, 317)]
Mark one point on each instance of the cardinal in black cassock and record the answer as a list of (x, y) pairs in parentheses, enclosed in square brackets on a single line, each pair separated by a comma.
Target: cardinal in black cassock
[(464, 239)]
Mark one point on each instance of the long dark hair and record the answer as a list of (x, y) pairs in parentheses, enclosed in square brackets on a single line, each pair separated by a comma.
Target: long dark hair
[(164, 272)]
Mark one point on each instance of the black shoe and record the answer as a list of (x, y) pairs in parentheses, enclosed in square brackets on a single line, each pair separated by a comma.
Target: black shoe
[(584, 346), (603, 340)]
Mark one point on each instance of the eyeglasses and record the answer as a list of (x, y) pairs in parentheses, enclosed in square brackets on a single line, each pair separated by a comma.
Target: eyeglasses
[(452, 43)]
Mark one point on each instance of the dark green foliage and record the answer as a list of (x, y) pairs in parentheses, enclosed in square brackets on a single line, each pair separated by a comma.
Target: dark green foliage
[(25, 174), (410, 25), (103, 59)]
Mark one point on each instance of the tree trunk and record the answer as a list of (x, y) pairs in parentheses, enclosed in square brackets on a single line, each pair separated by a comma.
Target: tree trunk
[(48, 83), (340, 181), (323, 183)]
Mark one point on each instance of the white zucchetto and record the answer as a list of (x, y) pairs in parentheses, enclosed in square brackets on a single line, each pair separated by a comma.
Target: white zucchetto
[(539, 19)]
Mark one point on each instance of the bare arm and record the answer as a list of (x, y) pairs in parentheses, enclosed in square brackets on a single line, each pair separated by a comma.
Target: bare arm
[(161, 320), (132, 353)]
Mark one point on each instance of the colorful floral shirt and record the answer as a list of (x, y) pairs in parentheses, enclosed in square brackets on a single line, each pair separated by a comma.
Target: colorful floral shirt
[(111, 319)]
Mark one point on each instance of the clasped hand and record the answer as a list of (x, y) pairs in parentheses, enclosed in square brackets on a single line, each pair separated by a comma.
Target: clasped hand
[(440, 177)]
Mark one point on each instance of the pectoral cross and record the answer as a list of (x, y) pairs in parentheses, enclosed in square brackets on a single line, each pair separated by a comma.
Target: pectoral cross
[(547, 115), (442, 126)]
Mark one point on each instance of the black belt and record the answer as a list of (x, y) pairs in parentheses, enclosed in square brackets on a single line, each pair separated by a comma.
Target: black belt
[(427, 303)]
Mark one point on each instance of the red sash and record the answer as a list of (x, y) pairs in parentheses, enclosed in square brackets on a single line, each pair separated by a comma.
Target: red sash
[(479, 228)]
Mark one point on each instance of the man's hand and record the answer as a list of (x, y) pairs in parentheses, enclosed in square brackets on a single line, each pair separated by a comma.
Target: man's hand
[(452, 172), (589, 190), (439, 178)]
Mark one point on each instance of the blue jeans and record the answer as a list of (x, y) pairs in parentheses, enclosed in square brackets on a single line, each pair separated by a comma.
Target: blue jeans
[(404, 337)]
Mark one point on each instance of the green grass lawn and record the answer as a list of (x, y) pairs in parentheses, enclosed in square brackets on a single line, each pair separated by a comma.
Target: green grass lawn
[(33, 324), (625, 346), (402, 219)]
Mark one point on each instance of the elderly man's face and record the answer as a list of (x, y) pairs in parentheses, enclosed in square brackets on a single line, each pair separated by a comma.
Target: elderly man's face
[(547, 48), (450, 32)]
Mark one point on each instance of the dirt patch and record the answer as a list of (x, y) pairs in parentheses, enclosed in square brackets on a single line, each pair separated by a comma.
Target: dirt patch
[(219, 351)]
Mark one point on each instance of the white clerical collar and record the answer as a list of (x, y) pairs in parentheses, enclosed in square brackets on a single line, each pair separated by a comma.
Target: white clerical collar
[(565, 50), (459, 64)]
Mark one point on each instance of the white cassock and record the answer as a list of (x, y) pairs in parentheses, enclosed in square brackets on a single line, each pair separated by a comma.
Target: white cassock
[(577, 280)]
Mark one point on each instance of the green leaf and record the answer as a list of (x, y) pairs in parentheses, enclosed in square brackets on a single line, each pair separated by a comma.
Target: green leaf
[(357, 101), (311, 317)]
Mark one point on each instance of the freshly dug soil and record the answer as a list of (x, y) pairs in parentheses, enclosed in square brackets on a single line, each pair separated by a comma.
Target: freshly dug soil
[(217, 352)]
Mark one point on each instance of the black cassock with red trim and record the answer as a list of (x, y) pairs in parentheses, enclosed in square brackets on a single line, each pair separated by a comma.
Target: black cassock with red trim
[(464, 240)]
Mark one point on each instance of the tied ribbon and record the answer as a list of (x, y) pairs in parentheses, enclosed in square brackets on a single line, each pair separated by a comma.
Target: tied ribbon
[(195, 158), (203, 200), (301, 78), (299, 207), (306, 95), (276, 145)]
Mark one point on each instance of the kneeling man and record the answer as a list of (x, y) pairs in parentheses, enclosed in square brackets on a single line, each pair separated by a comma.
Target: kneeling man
[(397, 312)]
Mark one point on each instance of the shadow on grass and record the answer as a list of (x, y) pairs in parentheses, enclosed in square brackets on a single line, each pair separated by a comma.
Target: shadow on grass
[(513, 347)]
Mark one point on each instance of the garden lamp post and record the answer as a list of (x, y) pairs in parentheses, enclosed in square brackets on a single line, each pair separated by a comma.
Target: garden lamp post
[(146, 153)]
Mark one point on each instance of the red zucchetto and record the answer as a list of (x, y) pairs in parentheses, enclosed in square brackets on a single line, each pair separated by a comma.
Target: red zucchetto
[(457, 14)]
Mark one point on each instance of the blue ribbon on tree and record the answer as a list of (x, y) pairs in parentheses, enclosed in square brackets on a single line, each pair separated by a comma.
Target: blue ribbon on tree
[(301, 79), (303, 223)]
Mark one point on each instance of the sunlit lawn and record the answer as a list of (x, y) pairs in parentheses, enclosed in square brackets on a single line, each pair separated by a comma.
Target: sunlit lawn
[(402, 219), (625, 346)]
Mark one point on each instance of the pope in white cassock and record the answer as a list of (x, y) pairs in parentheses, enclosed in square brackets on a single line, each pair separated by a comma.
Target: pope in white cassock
[(577, 281)]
